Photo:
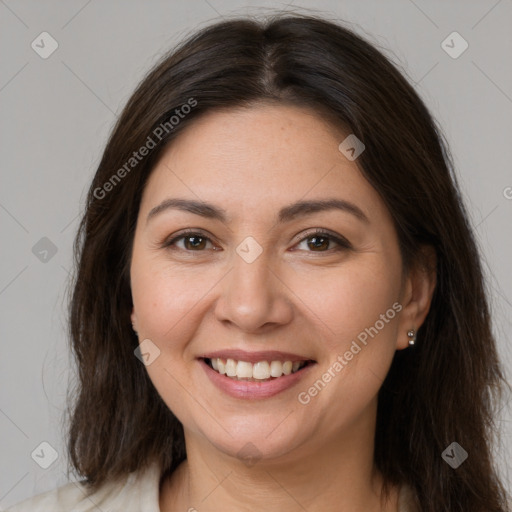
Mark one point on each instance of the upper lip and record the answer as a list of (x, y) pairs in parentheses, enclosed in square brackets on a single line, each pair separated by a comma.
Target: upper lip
[(255, 357)]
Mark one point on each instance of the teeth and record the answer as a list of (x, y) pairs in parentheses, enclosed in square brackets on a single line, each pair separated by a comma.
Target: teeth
[(230, 368), (276, 369), (244, 370), (262, 370)]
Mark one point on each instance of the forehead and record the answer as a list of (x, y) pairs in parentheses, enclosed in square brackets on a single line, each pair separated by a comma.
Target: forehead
[(254, 157)]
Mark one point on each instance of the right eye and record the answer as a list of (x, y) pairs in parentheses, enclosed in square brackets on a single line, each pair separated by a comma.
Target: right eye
[(193, 241)]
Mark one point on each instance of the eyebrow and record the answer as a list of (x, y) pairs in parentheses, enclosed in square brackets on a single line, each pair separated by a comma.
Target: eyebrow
[(286, 214)]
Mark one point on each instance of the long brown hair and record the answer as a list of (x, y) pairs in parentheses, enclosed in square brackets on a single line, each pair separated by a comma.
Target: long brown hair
[(444, 390)]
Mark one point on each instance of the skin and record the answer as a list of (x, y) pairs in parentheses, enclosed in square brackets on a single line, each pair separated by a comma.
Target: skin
[(293, 298)]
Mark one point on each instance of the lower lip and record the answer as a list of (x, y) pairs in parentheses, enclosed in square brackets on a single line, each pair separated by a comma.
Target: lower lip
[(252, 390)]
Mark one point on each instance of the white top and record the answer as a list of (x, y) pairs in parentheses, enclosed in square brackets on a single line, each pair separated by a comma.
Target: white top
[(137, 492)]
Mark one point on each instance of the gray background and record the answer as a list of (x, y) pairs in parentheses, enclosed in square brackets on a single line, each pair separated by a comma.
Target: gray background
[(56, 114)]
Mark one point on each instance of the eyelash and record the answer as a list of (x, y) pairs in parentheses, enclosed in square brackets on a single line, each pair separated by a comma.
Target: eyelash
[(342, 243)]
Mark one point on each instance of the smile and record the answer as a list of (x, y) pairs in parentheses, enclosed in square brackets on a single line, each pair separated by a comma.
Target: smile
[(259, 371), (254, 375)]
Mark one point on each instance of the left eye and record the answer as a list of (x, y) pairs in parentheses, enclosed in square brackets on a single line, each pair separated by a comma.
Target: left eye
[(318, 241)]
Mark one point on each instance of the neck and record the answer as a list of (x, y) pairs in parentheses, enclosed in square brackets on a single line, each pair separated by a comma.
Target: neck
[(334, 473)]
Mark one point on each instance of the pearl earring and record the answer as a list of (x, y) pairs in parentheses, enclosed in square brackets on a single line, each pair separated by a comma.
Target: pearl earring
[(412, 337)]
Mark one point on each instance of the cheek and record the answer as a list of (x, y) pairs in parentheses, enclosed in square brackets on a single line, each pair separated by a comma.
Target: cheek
[(358, 310), (166, 302), (351, 298), (165, 299)]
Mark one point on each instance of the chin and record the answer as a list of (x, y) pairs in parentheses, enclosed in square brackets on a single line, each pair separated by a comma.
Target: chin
[(253, 441)]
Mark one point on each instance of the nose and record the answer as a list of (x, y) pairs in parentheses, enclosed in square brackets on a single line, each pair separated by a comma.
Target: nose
[(253, 297)]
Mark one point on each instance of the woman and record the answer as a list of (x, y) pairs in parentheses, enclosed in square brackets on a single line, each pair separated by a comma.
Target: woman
[(279, 303)]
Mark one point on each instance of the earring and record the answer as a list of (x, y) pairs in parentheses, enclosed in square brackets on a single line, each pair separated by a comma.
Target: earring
[(412, 337)]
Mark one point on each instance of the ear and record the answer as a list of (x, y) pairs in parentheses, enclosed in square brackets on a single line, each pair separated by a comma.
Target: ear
[(133, 318), (417, 291)]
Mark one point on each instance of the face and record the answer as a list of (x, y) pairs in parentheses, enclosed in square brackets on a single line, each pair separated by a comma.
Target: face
[(251, 276)]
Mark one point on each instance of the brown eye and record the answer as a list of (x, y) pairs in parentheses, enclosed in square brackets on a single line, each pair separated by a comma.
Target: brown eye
[(320, 241), (192, 242)]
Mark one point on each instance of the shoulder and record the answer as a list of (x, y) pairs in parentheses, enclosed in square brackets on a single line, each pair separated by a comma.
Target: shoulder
[(137, 492), (407, 500)]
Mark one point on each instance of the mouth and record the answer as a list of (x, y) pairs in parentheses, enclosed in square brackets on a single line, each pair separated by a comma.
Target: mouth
[(254, 375), (259, 371)]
